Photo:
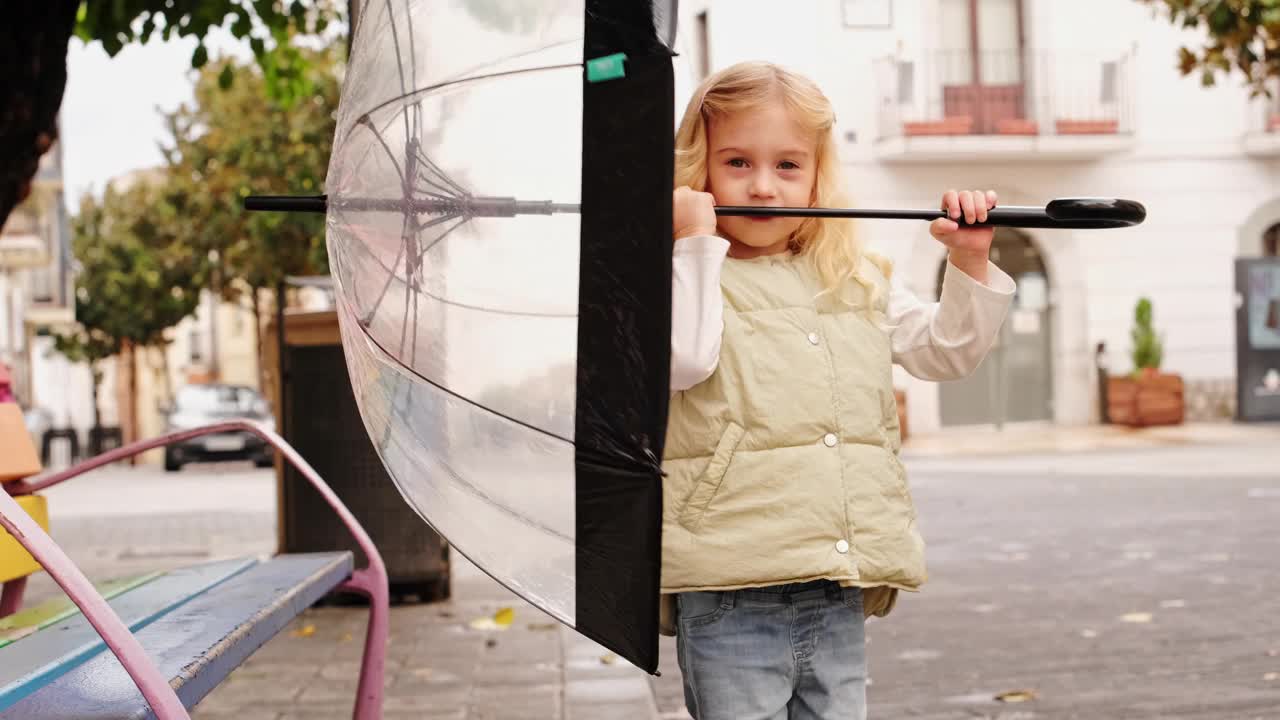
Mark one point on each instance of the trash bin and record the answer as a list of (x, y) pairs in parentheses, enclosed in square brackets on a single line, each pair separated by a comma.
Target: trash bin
[(320, 419)]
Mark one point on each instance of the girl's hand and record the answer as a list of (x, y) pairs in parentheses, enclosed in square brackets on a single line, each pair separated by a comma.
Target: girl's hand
[(969, 247), (692, 213)]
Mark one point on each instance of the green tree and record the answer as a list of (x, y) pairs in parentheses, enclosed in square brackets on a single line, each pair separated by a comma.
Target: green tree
[(232, 143), (136, 279), (33, 55), (1243, 35)]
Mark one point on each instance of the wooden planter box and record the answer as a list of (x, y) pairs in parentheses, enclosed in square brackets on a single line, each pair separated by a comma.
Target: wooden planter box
[(1087, 127), (955, 125), (1145, 399), (1017, 126)]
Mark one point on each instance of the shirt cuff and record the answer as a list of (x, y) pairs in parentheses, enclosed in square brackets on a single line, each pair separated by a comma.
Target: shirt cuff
[(701, 245), (957, 284)]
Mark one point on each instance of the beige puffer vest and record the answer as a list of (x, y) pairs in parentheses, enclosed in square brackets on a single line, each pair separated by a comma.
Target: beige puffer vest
[(782, 466)]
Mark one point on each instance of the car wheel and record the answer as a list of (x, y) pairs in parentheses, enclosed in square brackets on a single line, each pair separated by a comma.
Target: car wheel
[(171, 461)]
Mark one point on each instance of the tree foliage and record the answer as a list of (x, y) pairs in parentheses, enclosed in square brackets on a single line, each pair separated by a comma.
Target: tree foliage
[(135, 280), (234, 143), (33, 58), (1242, 35), (268, 25)]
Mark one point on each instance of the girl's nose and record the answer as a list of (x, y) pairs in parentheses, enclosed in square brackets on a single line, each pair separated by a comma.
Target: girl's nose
[(761, 185)]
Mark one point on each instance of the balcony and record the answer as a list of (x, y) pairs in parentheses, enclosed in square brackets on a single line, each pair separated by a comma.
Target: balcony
[(1011, 106), (1262, 131)]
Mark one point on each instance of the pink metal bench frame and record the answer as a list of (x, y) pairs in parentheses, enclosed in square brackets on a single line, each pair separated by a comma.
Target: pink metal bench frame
[(369, 582)]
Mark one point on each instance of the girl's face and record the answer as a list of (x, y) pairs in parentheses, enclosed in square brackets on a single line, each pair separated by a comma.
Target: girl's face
[(763, 158)]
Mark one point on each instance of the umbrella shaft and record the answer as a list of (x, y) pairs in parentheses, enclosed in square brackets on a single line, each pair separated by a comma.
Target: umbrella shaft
[(1012, 216)]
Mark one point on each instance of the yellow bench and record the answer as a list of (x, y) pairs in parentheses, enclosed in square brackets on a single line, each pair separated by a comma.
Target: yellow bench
[(18, 460)]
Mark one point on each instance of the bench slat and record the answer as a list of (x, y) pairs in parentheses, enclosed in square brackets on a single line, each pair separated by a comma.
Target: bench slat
[(38, 617), (196, 645), (37, 659)]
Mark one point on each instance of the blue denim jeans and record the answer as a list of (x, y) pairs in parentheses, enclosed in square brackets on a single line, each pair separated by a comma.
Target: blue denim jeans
[(787, 652)]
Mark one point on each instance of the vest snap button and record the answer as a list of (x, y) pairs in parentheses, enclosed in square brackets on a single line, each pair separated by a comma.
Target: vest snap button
[(842, 546), (830, 440), (813, 338)]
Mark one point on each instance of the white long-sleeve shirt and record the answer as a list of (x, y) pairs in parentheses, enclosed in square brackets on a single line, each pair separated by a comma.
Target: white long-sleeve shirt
[(945, 340)]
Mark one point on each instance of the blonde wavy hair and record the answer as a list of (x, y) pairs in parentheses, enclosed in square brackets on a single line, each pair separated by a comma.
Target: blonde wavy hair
[(829, 243)]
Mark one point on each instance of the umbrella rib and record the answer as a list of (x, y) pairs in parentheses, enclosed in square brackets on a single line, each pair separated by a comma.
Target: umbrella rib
[(443, 235), (391, 275), (461, 397), (422, 158), (459, 81), (409, 281), (480, 493), (387, 148), (395, 40)]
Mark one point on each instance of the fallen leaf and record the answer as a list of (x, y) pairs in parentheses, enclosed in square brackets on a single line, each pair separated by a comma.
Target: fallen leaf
[(608, 659), (1138, 617), (346, 637), (541, 627), (1173, 603), (423, 672), (490, 642), (501, 620), (1273, 653), (1271, 676), (305, 631), (1016, 696), (1089, 633)]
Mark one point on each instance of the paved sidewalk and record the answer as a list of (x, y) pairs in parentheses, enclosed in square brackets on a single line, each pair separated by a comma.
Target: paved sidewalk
[(1035, 438), (438, 667)]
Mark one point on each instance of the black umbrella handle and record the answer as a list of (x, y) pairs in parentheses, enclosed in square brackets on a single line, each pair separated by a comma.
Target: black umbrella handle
[(287, 203), (1067, 213)]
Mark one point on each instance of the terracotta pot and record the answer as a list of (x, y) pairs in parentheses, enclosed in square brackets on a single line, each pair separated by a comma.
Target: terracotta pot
[(953, 125), (1068, 126), (1017, 126)]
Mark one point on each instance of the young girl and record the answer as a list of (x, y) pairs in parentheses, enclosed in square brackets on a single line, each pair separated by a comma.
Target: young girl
[(787, 518)]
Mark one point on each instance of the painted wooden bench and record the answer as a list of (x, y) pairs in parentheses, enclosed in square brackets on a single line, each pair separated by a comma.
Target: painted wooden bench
[(154, 646)]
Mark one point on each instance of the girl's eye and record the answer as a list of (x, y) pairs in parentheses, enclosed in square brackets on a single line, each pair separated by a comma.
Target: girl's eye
[(788, 165), (737, 163)]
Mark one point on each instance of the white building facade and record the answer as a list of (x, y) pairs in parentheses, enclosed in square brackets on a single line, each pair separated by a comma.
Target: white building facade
[(1037, 99)]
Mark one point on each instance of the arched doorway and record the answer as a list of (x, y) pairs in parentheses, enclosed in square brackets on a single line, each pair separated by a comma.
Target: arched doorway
[(1015, 382), (1271, 241)]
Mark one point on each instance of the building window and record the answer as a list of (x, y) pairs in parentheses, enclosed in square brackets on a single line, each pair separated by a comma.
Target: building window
[(1271, 241)]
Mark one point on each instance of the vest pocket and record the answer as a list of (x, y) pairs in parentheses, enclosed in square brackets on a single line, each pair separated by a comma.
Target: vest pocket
[(709, 481)]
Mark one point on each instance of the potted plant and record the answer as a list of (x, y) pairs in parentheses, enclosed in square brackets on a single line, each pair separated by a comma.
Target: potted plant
[(1146, 396)]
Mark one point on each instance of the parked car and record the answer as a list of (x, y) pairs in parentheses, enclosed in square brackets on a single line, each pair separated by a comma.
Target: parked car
[(198, 405)]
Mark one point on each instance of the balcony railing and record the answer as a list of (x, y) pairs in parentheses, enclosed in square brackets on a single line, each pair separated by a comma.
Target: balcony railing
[(1005, 93)]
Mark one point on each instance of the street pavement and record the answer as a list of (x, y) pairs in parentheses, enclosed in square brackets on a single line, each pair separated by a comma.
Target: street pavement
[(1130, 582)]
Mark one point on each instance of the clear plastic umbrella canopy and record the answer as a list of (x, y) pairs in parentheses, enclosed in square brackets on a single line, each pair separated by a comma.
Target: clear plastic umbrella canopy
[(499, 235)]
